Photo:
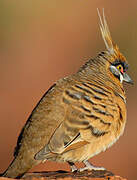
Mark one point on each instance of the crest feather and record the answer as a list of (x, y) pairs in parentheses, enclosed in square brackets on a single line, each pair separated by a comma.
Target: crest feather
[(105, 33)]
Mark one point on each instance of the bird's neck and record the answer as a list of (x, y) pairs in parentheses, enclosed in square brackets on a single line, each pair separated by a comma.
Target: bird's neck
[(101, 78)]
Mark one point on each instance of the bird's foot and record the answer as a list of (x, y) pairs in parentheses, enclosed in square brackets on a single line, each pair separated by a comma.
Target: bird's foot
[(91, 167), (73, 167)]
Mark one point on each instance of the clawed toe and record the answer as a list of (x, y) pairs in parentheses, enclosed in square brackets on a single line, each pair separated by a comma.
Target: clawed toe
[(74, 169), (98, 168), (87, 167), (83, 169), (91, 167)]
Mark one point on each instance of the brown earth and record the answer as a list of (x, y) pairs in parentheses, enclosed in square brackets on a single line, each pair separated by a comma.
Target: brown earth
[(65, 175)]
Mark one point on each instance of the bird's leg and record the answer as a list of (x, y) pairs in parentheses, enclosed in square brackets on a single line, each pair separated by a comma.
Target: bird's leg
[(72, 166), (89, 166)]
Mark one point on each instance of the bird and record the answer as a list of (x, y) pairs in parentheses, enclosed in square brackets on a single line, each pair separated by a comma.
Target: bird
[(79, 116)]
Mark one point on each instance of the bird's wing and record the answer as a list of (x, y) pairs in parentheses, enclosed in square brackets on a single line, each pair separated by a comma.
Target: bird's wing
[(64, 138), (86, 116)]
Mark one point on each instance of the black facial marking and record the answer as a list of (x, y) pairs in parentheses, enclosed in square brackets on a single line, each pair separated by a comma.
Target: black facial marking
[(124, 64)]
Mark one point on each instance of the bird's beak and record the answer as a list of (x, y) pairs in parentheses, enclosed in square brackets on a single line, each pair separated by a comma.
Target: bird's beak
[(127, 79)]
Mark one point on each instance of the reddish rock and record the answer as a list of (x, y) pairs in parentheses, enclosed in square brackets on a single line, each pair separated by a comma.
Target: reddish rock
[(65, 175)]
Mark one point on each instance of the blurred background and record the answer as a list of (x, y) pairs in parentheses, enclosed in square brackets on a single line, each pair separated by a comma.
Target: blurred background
[(42, 41)]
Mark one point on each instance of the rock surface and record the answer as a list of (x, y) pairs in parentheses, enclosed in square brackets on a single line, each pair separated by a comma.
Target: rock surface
[(65, 175)]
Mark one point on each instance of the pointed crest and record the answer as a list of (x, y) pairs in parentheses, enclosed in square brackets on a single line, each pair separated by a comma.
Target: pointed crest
[(105, 33)]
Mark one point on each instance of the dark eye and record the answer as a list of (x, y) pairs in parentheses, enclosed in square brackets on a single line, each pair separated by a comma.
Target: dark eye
[(120, 68)]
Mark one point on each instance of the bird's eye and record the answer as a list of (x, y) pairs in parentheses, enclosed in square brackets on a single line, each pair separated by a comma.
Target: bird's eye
[(120, 68)]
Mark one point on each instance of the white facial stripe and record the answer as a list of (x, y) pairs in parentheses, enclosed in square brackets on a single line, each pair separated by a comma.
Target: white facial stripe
[(121, 78), (116, 72)]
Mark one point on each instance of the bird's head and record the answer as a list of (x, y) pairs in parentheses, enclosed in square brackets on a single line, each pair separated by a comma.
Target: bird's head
[(117, 64)]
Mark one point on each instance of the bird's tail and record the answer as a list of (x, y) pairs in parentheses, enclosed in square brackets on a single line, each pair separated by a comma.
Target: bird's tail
[(19, 167)]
